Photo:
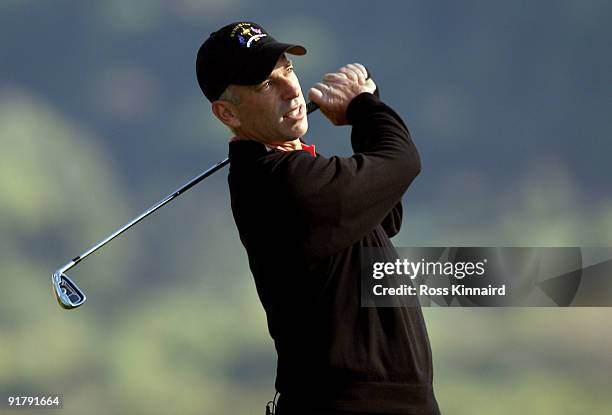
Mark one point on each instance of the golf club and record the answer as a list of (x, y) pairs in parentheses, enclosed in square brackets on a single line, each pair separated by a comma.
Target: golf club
[(68, 294)]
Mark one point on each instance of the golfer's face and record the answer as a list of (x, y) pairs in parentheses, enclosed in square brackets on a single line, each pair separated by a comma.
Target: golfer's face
[(274, 111)]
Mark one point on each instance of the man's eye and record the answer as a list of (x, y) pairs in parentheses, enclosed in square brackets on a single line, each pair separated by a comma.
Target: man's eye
[(289, 68), (264, 86)]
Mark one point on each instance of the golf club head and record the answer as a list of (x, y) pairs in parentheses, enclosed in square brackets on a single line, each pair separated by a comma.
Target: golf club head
[(68, 295)]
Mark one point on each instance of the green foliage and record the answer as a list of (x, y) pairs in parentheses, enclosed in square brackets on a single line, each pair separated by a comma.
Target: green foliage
[(173, 323)]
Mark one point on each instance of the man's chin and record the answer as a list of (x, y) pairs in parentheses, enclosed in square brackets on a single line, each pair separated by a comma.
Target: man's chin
[(288, 134), (300, 129)]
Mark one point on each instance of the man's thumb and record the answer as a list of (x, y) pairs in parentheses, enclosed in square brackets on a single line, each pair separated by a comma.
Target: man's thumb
[(315, 96)]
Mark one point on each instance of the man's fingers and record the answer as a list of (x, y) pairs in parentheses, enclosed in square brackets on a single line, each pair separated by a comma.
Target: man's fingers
[(360, 72), (350, 73), (335, 77), (315, 95), (322, 86), (318, 93), (362, 69), (336, 90)]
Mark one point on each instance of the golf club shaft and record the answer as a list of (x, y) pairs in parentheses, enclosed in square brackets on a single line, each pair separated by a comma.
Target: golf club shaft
[(310, 107)]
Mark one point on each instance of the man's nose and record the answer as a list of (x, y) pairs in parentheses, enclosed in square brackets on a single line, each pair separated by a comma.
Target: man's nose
[(291, 89)]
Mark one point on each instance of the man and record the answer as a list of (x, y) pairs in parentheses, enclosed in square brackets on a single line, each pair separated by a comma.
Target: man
[(304, 220)]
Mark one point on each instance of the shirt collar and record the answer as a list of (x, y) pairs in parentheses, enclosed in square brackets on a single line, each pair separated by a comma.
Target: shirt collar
[(309, 148)]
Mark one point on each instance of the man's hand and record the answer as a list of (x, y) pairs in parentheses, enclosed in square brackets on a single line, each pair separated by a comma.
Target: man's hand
[(337, 90)]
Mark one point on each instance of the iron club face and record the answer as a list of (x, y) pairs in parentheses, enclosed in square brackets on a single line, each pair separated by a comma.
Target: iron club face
[(68, 295)]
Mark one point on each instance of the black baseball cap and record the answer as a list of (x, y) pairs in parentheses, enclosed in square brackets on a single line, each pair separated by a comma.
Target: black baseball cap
[(241, 53)]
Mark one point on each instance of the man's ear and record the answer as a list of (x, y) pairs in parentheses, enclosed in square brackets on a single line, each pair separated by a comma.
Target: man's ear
[(227, 113)]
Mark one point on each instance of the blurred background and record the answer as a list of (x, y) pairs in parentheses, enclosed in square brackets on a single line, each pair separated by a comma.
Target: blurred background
[(100, 116)]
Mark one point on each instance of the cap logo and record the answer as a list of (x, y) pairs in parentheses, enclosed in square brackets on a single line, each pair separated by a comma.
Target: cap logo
[(247, 34)]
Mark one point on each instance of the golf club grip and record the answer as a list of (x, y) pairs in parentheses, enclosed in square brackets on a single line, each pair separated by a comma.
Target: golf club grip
[(311, 106)]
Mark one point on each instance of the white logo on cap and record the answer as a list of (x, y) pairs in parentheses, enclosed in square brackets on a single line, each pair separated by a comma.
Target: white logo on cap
[(247, 33), (255, 38)]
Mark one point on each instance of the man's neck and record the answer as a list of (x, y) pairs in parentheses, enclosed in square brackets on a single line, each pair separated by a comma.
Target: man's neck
[(284, 146)]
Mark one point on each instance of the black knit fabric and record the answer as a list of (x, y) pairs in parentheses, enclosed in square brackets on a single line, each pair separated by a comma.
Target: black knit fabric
[(304, 222)]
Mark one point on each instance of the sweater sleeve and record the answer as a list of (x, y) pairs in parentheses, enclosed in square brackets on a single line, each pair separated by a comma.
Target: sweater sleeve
[(392, 223), (393, 220), (338, 200)]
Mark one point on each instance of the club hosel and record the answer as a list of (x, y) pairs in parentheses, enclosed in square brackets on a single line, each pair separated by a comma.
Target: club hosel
[(68, 265)]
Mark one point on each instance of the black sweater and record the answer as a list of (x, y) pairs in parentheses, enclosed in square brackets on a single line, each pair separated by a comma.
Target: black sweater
[(304, 221)]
